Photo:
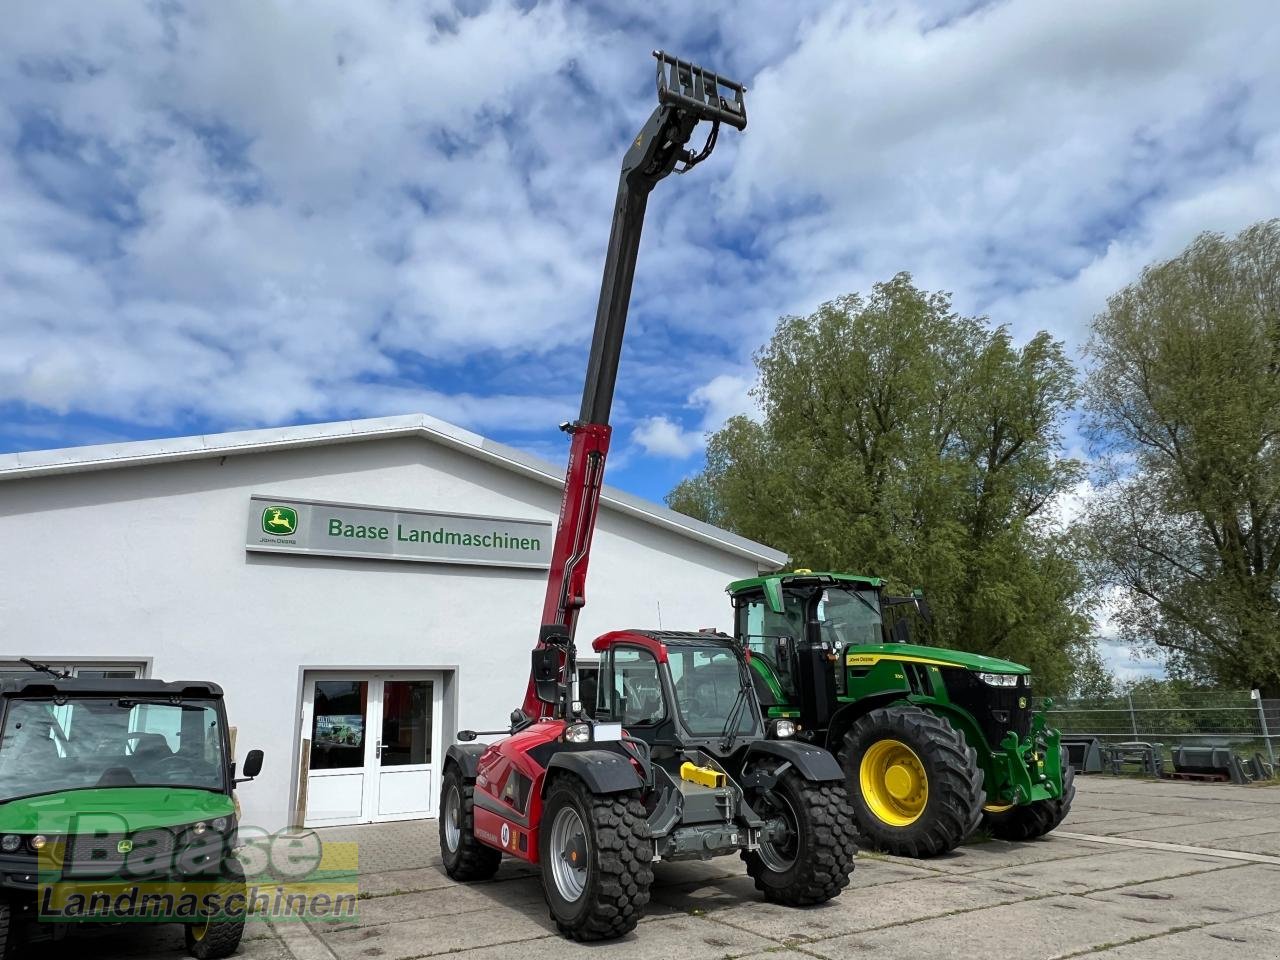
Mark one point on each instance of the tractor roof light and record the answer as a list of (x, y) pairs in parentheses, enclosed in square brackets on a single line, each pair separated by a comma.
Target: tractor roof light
[(999, 679)]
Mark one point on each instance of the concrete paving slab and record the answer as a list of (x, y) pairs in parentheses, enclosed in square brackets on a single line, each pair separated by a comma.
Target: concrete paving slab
[(1244, 939), (1112, 869), (1267, 843), (1201, 834), (1146, 822), (1235, 893), (871, 907), (671, 938), (981, 856), (1052, 927)]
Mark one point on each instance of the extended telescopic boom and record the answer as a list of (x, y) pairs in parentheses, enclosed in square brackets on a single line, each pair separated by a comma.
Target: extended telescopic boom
[(687, 94)]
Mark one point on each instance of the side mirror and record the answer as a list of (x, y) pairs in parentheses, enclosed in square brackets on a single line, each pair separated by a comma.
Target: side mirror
[(252, 765), (926, 613), (546, 674)]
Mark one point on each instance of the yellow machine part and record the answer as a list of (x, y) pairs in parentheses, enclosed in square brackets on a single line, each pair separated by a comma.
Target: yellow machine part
[(703, 775)]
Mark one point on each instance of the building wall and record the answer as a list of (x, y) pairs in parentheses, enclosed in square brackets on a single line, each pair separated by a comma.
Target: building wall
[(150, 562)]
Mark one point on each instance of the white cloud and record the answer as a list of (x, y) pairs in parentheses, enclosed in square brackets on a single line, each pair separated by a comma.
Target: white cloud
[(723, 396), (662, 437)]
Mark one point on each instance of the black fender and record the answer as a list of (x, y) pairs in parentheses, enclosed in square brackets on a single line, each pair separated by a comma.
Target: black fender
[(466, 756), (812, 763), (603, 771)]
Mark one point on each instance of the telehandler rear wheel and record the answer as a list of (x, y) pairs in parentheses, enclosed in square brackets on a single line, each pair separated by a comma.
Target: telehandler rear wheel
[(916, 784), (811, 861), (596, 860), (465, 857), (1031, 820)]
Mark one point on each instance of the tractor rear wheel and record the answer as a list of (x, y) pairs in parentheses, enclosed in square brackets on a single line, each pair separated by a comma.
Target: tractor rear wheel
[(465, 857), (810, 862), (1031, 820), (596, 860), (916, 784)]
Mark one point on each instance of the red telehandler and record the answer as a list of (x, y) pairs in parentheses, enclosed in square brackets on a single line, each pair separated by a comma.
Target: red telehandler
[(676, 763)]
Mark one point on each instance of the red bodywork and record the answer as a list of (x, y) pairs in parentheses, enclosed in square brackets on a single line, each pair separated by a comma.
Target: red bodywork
[(498, 767), (567, 578)]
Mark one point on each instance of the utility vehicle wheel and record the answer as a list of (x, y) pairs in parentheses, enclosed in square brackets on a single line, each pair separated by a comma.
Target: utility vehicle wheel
[(212, 939), (465, 857), (916, 784), (595, 855), (811, 862), (8, 933), (1031, 820)]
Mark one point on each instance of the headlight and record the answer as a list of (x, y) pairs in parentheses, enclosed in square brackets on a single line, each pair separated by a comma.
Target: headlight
[(10, 843), (577, 733), (199, 827), (38, 841), (784, 728), (1000, 679), (220, 824)]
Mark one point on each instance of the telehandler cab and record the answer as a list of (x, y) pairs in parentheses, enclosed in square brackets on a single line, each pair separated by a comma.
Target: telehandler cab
[(677, 762), (933, 741)]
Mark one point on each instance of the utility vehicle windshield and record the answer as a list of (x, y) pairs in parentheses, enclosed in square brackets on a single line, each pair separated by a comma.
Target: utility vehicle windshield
[(82, 742)]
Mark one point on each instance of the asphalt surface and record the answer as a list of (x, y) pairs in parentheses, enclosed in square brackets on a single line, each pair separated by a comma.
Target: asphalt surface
[(1141, 869)]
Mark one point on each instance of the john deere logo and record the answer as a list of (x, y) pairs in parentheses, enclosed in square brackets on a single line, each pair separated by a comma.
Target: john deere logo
[(1022, 703), (124, 846), (279, 521)]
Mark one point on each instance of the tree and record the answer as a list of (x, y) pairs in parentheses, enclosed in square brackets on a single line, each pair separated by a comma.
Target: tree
[(1184, 406), (903, 440)]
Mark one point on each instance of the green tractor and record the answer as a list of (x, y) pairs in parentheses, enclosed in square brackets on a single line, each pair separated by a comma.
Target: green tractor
[(934, 742)]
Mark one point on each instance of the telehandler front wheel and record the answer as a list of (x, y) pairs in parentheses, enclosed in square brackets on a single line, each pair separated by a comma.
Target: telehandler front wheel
[(596, 860), (809, 861), (465, 858), (1031, 820), (916, 784)]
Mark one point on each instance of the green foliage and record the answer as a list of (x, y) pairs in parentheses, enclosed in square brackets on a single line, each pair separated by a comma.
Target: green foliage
[(1184, 399), (903, 440)]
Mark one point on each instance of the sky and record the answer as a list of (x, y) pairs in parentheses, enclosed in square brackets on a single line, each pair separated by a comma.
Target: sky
[(257, 212)]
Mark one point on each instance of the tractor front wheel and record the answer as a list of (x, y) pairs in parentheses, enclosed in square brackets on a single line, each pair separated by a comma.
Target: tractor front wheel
[(465, 857), (596, 860), (810, 853), (916, 784), (1031, 820)]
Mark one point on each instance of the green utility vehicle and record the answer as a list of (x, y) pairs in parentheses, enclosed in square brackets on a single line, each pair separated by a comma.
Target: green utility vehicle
[(934, 741), (112, 786)]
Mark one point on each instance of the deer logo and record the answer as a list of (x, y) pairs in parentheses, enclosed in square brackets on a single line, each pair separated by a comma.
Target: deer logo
[(279, 521)]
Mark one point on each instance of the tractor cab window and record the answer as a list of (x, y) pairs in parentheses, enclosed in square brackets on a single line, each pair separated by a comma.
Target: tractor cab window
[(710, 691), (848, 617), (631, 689), (769, 635)]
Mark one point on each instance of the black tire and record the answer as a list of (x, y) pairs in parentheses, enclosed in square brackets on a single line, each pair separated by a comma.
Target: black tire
[(8, 931), (214, 939), (814, 862), (1031, 820), (952, 808), (617, 853), (468, 859)]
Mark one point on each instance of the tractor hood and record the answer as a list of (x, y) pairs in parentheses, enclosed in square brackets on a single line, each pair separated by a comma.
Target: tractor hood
[(139, 808), (871, 653)]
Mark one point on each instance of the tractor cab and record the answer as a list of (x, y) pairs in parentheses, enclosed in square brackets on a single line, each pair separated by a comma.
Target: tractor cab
[(677, 691)]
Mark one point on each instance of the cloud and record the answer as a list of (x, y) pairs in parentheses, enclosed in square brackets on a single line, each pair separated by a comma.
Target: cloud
[(724, 396), (661, 437)]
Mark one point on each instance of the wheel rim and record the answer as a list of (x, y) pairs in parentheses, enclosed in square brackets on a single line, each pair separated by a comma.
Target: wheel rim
[(198, 931), (452, 818), (569, 854), (894, 784), (997, 808), (780, 855)]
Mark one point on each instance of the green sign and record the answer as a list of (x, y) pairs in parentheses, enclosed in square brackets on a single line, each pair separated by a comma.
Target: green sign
[(279, 525)]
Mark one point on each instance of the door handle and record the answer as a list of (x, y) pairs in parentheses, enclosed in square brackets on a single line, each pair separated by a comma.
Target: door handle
[(377, 750)]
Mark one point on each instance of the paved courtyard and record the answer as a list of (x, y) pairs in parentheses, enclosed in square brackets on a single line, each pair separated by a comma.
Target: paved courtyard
[(1141, 869)]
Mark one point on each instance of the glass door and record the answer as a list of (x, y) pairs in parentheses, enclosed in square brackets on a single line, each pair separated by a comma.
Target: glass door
[(374, 747)]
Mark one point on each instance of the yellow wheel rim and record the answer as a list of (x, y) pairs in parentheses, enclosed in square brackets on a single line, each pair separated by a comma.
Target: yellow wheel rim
[(997, 807), (895, 786), (198, 932)]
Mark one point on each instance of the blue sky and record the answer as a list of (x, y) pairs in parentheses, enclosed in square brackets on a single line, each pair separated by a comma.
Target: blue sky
[(248, 213)]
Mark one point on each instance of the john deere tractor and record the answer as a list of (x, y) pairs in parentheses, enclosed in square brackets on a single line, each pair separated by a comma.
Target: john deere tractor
[(934, 742)]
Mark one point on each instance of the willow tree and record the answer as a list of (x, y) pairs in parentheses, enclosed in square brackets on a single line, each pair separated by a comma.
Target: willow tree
[(1184, 400), (901, 439)]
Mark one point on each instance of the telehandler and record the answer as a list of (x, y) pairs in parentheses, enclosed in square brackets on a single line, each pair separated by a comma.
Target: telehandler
[(677, 762)]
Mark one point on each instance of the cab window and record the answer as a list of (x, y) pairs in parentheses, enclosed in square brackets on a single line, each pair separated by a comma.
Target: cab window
[(633, 691)]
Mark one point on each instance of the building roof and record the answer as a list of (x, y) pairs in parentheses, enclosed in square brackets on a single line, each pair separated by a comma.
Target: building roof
[(110, 456)]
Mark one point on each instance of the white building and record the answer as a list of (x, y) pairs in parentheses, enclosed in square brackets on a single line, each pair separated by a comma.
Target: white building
[(353, 661)]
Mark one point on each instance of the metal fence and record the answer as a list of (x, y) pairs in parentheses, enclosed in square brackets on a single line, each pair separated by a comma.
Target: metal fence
[(1240, 719)]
